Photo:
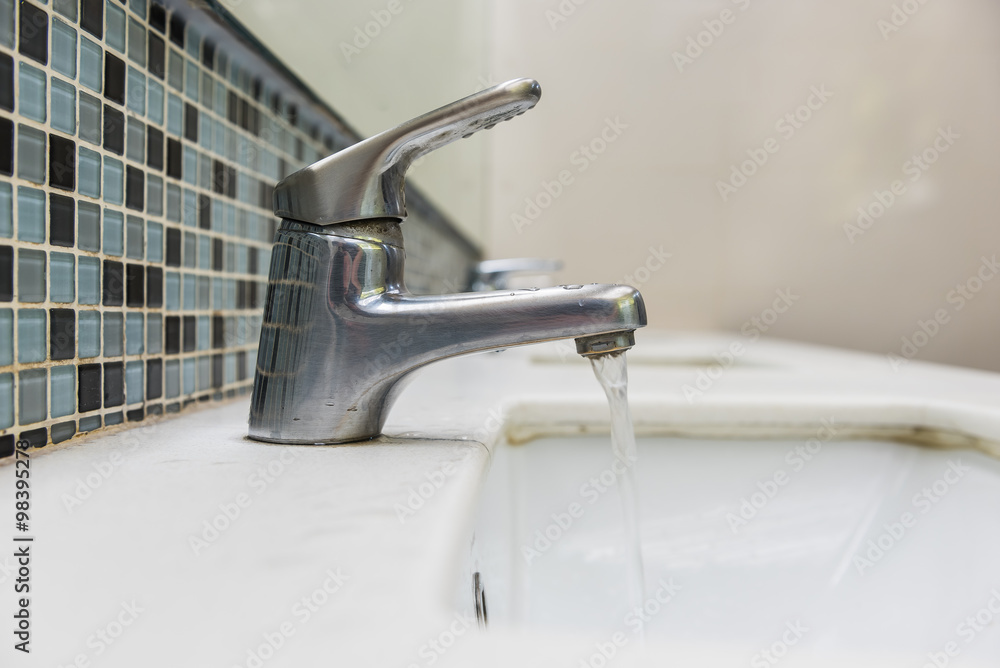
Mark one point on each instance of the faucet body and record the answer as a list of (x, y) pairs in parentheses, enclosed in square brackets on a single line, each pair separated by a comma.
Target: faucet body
[(341, 335)]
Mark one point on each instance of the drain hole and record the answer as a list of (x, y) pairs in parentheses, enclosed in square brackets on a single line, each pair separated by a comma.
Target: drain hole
[(480, 593)]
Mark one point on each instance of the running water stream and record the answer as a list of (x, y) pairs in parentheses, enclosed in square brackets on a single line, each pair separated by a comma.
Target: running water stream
[(612, 372)]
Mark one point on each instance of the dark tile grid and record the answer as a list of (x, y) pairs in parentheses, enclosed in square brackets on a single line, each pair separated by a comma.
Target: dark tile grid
[(160, 195)]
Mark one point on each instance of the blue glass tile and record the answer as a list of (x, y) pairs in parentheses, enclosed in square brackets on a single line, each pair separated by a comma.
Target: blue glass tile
[(114, 181), (175, 115), (173, 202), (115, 32), (62, 277), (175, 70), (154, 241), (31, 90), (89, 333), (139, 7), (113, 334), (205, 174), (136, 42), (89, 226), (134, 338), (90, 423), (134, 237), (33, 405), (193, 42), (7, 23), (189, 376), (230, 368), (6, 336), (6, 400), (63, 390), (90, 119), (155, 98), (89, 280), (136, 141), (204, 332), (190, 293), (91, 64), (114, 223), (66, 7), (204, 292), (31, 154), (89, 171), (204, 252), (154, 334), (192, 81), (205, 131), (113, 419), (173, 298), (6, 209), (136, 91), (230, 293), (190, 208), (133, 382), (30, 275), (63, 431), (172, 379), (190, 250), (190, 166), (217, 291), (154, 195), (63, 49), (63, 106), (30, 214), (32, 344), (204, 372)]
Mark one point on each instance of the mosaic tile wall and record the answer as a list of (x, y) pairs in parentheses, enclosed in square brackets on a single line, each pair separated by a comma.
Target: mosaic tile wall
[(139, 146)]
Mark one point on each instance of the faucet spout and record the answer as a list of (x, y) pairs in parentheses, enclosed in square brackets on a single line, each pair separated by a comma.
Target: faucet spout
[(341, 335)]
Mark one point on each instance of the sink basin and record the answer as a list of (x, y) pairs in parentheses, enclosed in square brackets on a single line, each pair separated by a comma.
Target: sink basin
[(759, 550)]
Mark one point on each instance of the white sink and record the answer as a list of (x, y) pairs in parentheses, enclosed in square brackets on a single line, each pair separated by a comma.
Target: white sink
[(847, 554)]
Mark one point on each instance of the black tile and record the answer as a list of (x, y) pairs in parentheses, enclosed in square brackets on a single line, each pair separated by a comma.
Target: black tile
[(190, 333), (89, 393), (218, 177), (6, 82), (135, 292), (173, 247), (62, 163), (114, 78), (218, 331), (154, 287), (158, 17), (154, 379), (276, 103), (234, 108), (6, 146), (154, 148), (157, 56), (241, 365), (257, 88), (217, 247), (7, 446), (252, 260), (135, 188), (252, 294), (293, 114), (92, 17), (244, 114), (114, 130), (216, 370), (62, 220), (208, 54), (36, 438), (135, 415), (33, 35), (204, 212), (62, 333), (172, 336), (63, 431), (114, 384), (6, 274), (190, 122), (113, 284), (174, 158), (177, 29), (241, 294), (231, 182)]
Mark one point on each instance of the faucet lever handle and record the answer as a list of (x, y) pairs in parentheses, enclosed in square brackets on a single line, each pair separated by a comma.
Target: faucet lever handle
[(366, 180)]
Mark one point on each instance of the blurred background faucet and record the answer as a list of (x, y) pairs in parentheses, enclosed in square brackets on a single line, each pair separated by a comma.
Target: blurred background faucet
[(495, 274), (341, 334)]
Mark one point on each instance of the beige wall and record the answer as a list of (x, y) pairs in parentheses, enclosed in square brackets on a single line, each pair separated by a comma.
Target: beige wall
[(656, 184)]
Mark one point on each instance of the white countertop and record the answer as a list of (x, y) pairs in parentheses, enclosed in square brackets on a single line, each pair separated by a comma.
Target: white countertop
[(331, 515)]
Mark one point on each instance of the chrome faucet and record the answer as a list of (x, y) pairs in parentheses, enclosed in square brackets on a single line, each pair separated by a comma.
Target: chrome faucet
[(341, 334)]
